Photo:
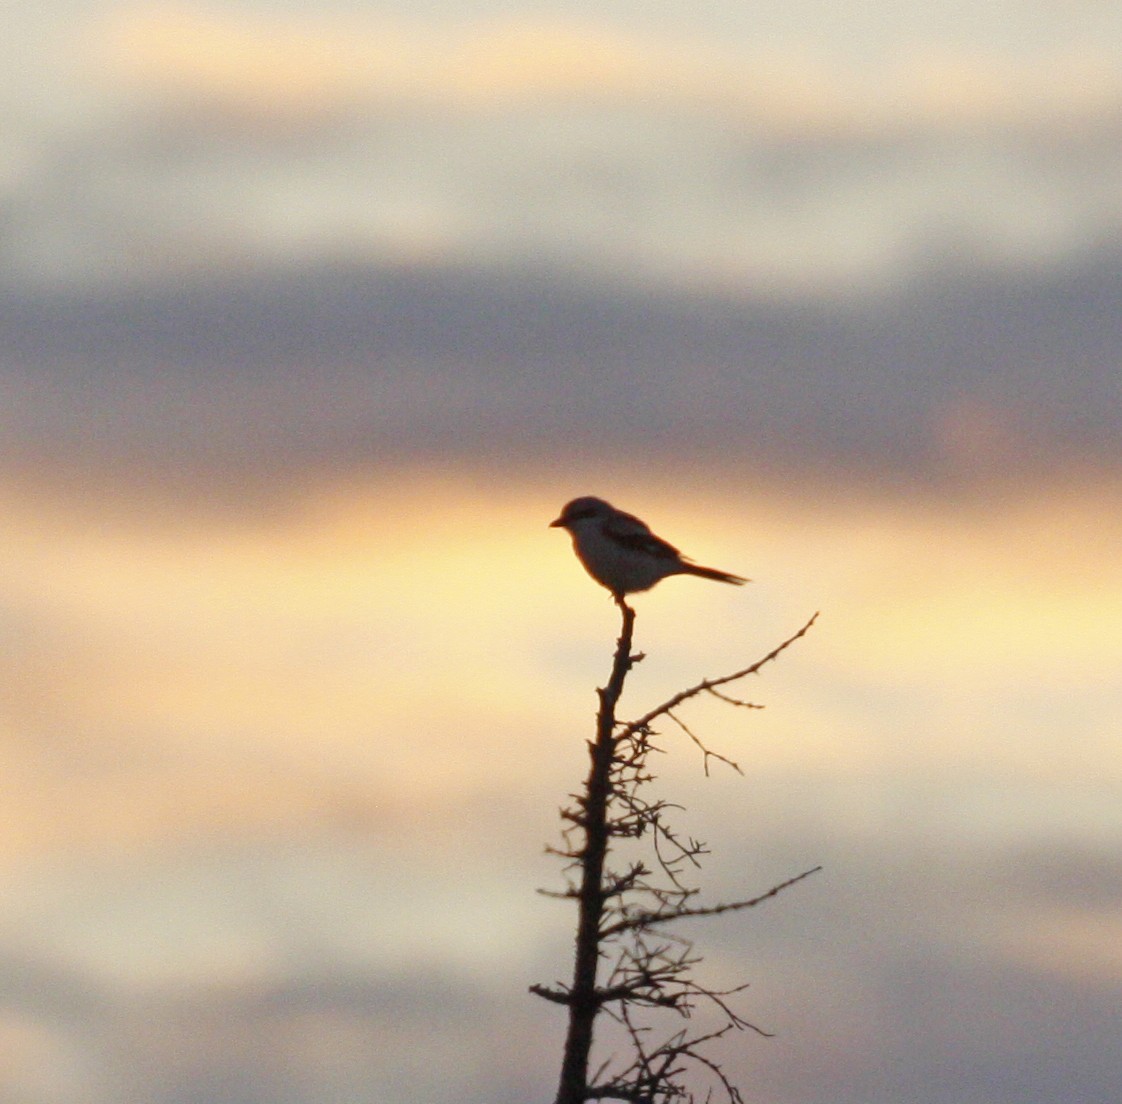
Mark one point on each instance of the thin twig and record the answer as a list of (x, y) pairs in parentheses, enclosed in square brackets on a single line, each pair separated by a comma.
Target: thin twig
[(706, 753), (708, 684), (728, 699), (648, 919)]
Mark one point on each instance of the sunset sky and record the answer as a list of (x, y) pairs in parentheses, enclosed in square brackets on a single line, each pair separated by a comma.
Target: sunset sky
[(313, 317)]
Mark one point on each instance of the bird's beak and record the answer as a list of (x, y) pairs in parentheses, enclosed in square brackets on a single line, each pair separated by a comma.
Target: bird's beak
[(558, 523)]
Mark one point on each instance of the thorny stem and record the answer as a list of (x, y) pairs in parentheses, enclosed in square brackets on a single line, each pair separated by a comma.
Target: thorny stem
[(583, 1000)]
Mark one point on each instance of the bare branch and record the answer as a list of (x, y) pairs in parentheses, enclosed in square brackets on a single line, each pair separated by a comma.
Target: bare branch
[(557, 996), (706, 753), (645, 920), (728, 699), (707, 685)]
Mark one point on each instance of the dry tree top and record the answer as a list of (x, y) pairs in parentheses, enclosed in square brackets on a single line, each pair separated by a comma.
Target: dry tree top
[(629, 962)]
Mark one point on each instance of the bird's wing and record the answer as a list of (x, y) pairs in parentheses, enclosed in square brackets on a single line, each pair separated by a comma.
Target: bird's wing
[(628, 531)]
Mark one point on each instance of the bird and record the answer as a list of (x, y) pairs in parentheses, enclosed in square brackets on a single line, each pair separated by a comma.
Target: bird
[(621, 553)]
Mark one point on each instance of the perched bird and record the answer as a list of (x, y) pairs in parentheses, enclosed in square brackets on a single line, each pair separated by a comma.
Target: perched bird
[(621, 553)]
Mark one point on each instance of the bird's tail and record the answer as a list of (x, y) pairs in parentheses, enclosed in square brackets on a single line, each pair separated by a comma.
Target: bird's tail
[(713, 573)]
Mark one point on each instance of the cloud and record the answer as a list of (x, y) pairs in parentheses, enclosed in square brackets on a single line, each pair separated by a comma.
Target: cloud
[(951, 383), (372, 657), (206, 140), (265, 856), (280, 66)]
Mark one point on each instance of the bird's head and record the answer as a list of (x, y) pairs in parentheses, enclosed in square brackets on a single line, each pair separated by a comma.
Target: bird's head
[(586, 508)]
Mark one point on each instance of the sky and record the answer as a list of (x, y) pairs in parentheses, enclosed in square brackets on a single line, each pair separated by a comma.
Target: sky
[(313, 319)]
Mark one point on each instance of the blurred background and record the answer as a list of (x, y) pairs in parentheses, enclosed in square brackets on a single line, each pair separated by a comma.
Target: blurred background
[(313, 317)]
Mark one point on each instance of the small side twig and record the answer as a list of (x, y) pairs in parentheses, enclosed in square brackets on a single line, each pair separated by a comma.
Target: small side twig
[(707, 753)]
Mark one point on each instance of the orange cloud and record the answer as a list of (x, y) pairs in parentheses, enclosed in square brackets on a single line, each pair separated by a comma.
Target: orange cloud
[(285, 67), (380, 653), (1080, 945)]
